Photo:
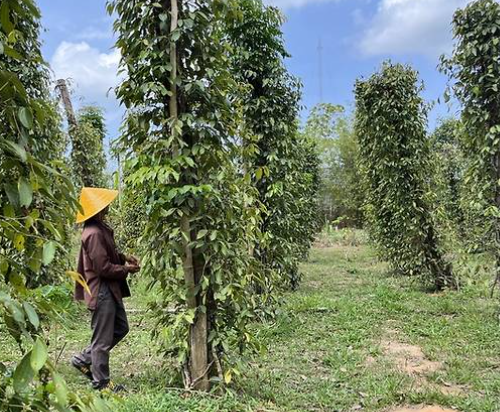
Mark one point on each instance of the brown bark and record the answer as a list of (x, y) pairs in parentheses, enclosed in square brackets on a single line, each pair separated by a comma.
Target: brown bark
[(198, 367), (62, 87)]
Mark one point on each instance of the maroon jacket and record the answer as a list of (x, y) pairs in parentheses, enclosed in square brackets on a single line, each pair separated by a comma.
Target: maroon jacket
[(99, 261)]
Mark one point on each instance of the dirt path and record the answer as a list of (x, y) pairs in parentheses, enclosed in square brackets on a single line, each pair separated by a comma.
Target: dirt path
[(411, 360)]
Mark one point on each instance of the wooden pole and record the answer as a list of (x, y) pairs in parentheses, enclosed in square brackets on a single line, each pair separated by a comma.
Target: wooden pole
[(62, 87), (198, 337)]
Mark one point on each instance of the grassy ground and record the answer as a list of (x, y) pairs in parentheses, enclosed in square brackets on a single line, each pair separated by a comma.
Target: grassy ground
[(351, 338)]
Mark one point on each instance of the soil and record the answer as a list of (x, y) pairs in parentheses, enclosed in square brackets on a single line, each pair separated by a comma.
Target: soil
[(411, 360)]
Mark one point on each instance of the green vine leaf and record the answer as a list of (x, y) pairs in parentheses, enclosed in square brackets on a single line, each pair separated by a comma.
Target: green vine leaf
[(23, 374), (49, 252), (26, 117), (38, 356), (32, 315), (25, 192), (7, 25)]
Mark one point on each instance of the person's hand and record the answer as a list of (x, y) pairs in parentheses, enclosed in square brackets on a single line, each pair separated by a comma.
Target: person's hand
[(132, 260), (132, 268)]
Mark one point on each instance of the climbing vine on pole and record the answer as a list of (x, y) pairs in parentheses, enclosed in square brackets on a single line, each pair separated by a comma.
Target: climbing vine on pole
[(180, 138), (36, 202), (282, 164), (87, 131), (475, 81), (87, 154), (394, 153)]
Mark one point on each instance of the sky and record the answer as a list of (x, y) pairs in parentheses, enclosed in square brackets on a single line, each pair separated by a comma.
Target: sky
[(356, 36)]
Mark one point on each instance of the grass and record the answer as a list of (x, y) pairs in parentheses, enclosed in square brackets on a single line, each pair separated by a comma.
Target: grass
[(325, 349)]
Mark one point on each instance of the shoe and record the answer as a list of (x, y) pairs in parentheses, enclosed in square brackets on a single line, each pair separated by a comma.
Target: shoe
[(83, 368), (110, 386)]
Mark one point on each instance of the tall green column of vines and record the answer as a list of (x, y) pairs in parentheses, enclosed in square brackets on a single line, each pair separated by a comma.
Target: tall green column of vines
[(395, 158), (181, 137), (37, 201), (474, 71), (87, 154), (284, 164)]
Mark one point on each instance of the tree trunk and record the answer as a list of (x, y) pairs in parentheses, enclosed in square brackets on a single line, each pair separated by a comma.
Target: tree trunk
[(198, 334), (62, 87), (442, 272)]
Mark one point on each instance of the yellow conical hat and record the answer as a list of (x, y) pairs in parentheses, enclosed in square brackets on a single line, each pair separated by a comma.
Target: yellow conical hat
[(93, 200)]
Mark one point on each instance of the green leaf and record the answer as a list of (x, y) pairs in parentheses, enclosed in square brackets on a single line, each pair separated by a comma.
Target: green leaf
[(258, 173), (12, 80), (49, 252), (26, 117), (176, 35), (38, 355), (23, 374), (19, 242), (61, 390), (7, 25), (228, 376), (49, 226), (16, 149), (25, 192), (9, 51), (202, 233), (4, 266), (32, 8), (35, 264), (16, 312), (32, 315)]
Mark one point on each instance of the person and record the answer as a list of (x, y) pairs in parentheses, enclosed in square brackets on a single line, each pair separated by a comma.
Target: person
[(105, 270)]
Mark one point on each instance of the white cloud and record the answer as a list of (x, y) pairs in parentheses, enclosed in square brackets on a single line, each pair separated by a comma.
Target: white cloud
[(92, 72), (287, 4), (411, 26)]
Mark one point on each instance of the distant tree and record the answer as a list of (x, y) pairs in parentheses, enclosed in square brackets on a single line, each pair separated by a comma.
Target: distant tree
[(340, 194), (394, 151)]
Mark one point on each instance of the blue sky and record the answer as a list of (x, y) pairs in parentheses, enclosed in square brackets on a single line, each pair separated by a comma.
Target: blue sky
[(356, 36)]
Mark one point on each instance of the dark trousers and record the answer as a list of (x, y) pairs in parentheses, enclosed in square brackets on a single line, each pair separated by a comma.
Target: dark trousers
[(109, 327)]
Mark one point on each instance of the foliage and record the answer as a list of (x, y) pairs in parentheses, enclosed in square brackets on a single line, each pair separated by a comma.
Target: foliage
[(283, 164), (87, 154), (332, 235), (457, 220), (129, 216), (394, 151), (340, 194), (474, 70), (179, 139), (37, 202)]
